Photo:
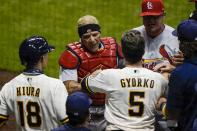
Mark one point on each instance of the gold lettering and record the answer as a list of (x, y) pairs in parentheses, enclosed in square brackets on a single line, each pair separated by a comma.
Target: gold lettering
[(128, 81), (28, 91), (146, 83), (139, 82), (152, 82), (37, 92), (32, 91), (18, 91), (133, 82), (122, 81), (23, 90)]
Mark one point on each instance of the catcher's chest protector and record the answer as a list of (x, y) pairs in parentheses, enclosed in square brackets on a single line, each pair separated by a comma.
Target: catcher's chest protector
[(106, 58)]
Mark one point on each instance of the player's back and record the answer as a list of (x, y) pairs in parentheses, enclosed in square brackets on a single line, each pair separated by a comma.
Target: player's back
[(132, 94), (34, 100), (137, 91)]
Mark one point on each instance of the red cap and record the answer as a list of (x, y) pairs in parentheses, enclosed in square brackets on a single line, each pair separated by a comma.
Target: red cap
[(152, 7)]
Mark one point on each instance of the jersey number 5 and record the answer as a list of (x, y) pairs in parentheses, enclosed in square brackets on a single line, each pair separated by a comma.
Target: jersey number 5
[(133, 102), (33, 117)]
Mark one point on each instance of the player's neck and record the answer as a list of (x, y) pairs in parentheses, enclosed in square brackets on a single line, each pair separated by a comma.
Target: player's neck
[(39, 66), (134, 65)]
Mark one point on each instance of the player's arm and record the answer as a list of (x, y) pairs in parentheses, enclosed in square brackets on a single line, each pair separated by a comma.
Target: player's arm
[(96, 82), (161, 102), (72, 86), (3, 106), (68, 71), (59, 102), (164, 68)]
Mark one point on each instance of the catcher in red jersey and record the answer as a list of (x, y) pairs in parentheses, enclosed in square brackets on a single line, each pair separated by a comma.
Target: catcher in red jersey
[(36, 100), (86, 56)]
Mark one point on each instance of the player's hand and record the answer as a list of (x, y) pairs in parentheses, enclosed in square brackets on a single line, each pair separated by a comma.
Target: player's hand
[(163, 67), (178, 58)]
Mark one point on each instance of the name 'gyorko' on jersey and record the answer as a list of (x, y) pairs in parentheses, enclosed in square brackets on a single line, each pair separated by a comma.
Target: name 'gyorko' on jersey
[(137, 82)]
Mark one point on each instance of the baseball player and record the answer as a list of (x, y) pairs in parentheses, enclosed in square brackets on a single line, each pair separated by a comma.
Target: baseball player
[(84, 57), (182, 95), (157, 35), (36, 100), (131, 92), (77, 108)]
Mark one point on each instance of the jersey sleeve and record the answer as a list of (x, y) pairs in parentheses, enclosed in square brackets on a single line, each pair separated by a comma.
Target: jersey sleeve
[(96, 83), (68, 74), (3, 105), (164, 86), (60, 97)]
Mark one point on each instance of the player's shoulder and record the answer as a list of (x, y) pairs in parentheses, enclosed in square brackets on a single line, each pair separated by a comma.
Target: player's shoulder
[(168, 31), (106, 71), (153, 74), (53, 80), (168, 37), (110, 73), (54, 83), (169, 28), (141, 28), (9, 85)]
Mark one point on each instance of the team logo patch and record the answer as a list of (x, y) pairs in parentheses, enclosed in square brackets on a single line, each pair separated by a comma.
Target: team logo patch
[(149, 5)]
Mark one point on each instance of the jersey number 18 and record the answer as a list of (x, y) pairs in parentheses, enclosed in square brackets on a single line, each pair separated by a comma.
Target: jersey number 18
[(33, 117)]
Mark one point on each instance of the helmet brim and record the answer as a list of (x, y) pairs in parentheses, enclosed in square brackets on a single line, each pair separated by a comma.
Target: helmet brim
[(51, 48)]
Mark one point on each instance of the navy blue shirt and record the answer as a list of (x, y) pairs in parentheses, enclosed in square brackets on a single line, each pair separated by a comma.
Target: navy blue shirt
[(68, 127), (182, 93)]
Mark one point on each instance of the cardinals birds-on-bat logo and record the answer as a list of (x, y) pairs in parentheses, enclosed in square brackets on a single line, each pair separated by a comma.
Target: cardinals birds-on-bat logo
[(165, 54)]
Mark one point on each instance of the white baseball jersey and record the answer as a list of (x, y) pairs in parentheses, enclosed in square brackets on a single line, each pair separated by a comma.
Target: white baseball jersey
[(131, 96), (38, 102), (152, 56), (68, 74)]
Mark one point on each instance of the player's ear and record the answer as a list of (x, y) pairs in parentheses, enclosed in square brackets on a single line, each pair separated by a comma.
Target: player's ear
[(42, 58)]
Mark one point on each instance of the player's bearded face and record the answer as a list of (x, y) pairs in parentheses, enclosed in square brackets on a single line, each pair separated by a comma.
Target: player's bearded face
[(91, 41), (153, 24)]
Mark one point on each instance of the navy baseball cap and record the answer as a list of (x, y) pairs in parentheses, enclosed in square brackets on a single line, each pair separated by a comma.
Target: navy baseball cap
[(186, 30), (78, 103)]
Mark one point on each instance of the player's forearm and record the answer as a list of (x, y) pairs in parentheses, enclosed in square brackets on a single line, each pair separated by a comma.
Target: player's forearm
[(72, 86)]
